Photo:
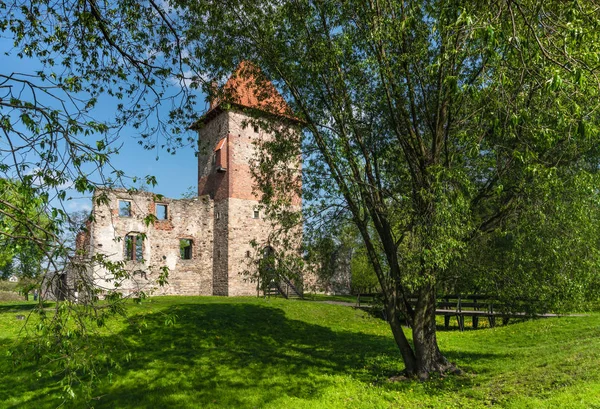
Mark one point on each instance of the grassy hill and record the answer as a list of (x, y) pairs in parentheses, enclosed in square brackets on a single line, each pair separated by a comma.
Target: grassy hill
[(207, 352)]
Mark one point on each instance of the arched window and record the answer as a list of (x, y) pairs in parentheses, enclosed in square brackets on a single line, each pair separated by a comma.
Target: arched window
[(134, 247), (268, 251), (267, 264)]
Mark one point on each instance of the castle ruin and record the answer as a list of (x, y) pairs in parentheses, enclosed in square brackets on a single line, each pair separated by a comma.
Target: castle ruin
[(204, 241)]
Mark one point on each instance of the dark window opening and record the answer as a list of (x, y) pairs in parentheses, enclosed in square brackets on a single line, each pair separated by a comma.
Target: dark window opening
[(247, 253), (267, 270), (124, 208), (256, 214), (134, 249), (255, 128), (220, 159), (185, 249), (161, 211)]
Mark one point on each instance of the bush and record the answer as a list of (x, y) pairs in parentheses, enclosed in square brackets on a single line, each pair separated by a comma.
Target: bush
[(8, 286), (10, 296)]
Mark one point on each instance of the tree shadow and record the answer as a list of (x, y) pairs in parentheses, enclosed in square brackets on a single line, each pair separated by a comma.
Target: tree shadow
[(233, 355), (21, 307), (237, 355)]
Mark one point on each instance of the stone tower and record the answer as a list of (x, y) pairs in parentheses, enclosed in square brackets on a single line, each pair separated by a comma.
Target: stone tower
[(204, 242), (226, 150)]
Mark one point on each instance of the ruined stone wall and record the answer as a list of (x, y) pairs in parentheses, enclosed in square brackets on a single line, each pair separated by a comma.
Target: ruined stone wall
[(220, 252), (186, 219), (82, 239), (243, 228)]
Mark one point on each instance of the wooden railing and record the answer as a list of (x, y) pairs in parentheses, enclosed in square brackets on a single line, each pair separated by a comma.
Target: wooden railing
[(460, 306)]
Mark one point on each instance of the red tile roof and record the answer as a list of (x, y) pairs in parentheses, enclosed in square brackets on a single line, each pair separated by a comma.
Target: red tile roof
[(249, 88)]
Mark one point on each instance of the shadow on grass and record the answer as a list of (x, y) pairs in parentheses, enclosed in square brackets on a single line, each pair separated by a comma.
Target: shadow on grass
[(232, 355), (21, 307), (235, 355)]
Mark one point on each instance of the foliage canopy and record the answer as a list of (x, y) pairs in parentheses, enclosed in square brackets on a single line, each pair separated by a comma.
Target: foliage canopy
[(460, 138)]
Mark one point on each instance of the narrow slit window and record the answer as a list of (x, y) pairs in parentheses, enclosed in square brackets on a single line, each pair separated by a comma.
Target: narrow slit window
[(161, 211), (185, 249), (124, 208)]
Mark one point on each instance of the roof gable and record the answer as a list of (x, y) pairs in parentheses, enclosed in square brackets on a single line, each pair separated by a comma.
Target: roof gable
[(249, 88)]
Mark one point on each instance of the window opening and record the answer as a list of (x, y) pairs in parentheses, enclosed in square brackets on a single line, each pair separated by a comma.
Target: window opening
[(185, 249), (256, 214), (161, 211), (267, 264), (220, 158), (134, 249), (255, 128), (124, 208)]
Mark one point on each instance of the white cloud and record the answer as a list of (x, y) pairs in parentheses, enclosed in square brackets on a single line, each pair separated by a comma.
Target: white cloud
[(76, 205)]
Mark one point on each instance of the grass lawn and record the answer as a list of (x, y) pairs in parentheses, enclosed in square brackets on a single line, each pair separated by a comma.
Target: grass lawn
[(256, 353)]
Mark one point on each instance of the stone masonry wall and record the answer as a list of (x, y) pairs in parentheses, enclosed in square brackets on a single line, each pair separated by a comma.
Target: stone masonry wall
[(186, 219), (215, 184), (220, 252), (244, 226)]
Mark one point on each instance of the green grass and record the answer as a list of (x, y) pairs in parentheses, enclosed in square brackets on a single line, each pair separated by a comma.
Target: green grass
[(256, 353)]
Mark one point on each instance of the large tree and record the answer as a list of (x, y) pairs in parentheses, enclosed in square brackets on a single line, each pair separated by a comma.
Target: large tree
[(436, 124), (439, 125)]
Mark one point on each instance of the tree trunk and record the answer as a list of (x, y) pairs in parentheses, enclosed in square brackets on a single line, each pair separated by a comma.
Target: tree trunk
[(428, 357), (406, 350)]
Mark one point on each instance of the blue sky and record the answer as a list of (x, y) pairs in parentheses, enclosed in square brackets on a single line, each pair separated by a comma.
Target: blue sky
[(174, 173)]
